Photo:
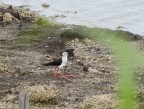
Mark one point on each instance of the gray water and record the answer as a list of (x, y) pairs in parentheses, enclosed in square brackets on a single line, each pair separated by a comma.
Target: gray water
[(129, 14)]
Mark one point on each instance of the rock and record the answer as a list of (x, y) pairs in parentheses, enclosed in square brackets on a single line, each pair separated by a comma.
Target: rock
[(45, 5), (120, 27), (61, 16), (86, 68), (8, 17), (10, 8), (79, 63)]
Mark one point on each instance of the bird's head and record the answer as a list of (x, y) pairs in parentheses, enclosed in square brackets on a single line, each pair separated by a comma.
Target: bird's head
[(65, 54)]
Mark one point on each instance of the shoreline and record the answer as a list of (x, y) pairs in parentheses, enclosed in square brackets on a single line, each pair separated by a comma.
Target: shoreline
[(63, 16), (23, 50)]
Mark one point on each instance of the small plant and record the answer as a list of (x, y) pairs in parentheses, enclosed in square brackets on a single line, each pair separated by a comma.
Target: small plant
[(43, 94), (41, 21), (103, 101)]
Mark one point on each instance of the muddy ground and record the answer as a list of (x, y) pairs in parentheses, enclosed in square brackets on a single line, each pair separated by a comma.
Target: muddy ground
[(22, 68)]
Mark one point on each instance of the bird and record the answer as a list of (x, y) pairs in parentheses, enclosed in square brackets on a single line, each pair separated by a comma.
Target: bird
[(60, 63)]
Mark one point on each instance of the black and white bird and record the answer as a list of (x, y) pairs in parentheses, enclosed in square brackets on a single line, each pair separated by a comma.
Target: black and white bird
[(60, 63)]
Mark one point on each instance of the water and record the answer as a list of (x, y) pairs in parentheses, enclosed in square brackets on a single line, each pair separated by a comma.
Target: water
[(129, 14)]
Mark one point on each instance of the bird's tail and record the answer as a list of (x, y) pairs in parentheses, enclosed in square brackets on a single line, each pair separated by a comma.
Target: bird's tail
[(46, 64)]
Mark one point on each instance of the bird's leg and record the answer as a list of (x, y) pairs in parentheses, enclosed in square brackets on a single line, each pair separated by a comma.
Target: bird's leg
[(63, 71), (54, 72), (57, 73), (62, 75), (66, 76), (70, 75)]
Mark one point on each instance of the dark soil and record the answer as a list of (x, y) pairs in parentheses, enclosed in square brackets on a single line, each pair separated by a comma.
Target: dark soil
[(24, 67)]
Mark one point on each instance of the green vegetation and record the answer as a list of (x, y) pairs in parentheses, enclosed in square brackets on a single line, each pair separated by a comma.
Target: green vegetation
[(127, 58), (42, 21), (43, 28), (33, 35)]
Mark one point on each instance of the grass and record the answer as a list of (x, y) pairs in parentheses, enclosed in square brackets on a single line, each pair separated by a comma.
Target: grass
[(127, 58), (33, 34), (43, 28), (42, 21), (103, 101), (43, 94)]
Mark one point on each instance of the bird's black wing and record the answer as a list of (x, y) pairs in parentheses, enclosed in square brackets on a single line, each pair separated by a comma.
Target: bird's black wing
[(54, 63), (69, 51)]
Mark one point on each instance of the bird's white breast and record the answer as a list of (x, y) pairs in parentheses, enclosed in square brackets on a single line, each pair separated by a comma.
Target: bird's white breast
[(64, 61)]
